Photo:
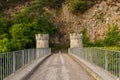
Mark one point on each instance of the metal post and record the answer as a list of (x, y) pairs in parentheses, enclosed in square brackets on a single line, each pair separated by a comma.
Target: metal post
[(37, 53), (14, 61), (28, 56), (1, 67), (112, 64), (5, 67), (82, 52), (106, 60), (91, 55), (31, 55), (96, 57), (23, 59), (116, 63), (34, 53), (10, 62), (86, 54), (7, 64)]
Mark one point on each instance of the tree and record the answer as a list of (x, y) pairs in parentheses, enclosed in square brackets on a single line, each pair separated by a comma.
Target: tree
[(4, 28), (20, 35), (22, 28), (45, 26)]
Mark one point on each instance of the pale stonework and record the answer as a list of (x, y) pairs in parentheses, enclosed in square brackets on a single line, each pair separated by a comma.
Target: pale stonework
[(75, 40), (42, 40)]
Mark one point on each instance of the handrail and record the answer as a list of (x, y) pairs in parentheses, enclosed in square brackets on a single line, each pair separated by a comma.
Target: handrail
[(10, 62), (107, 59)]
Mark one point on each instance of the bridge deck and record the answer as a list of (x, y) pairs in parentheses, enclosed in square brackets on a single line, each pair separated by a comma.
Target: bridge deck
[(60, 67)]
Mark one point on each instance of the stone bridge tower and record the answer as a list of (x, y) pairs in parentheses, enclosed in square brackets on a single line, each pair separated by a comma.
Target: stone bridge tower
[(42, 40), (76, 40)]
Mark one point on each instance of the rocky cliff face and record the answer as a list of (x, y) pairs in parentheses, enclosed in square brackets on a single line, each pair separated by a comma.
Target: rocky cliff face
[(10, 9), (99, 16), (96, 19)]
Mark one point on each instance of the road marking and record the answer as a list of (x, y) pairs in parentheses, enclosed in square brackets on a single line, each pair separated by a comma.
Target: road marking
[(62, 59), (52, 70), (64, 72)]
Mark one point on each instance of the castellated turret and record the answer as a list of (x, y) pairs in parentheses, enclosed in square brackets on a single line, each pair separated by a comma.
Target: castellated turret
[(42, 40), (76, 40)]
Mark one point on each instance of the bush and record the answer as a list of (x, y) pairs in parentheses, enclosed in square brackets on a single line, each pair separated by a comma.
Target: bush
[(97, 43), (79, 5), (86, 39), (113, 36), (88, 43), (4, 45), (54, 3)]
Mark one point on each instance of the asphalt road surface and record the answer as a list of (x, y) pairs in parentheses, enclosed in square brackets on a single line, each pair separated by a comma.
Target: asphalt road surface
[(60, 67)]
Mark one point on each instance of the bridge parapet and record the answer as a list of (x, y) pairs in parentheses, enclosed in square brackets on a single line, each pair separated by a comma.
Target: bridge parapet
[(101, 64), (75, 40), (19, 64)]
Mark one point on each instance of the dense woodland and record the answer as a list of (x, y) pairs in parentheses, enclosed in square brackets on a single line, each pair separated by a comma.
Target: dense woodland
[(18, 32)]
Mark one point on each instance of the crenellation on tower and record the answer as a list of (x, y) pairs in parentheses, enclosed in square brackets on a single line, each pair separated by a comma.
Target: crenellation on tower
[(42, 36), (75, 36)]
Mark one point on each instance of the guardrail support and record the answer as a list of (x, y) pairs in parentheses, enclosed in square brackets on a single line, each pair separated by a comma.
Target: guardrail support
[(106, 60), (14, 61)]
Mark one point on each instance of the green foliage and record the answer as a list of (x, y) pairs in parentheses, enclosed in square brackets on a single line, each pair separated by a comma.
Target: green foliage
[(86, 40), (36, 20), (36, 6), (20, 35), (4, 45), (109, 48), (23, 34), (21, 18), (113, 36), (79, 5), (4, 26), (97, 43), (22, 28), (45, 26), (54, 3)]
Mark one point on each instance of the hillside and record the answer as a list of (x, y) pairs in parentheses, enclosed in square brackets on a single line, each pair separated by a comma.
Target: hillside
[(99, 22)]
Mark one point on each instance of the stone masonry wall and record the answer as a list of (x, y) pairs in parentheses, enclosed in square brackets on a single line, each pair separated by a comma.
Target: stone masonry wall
[(75, 40), (42, 41)]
